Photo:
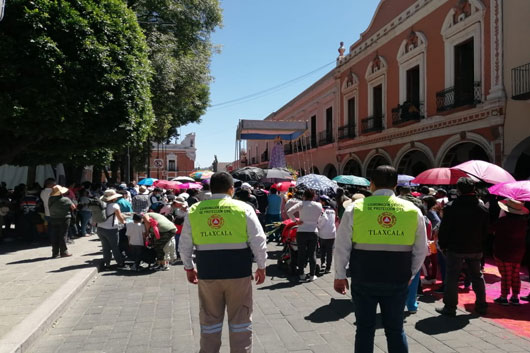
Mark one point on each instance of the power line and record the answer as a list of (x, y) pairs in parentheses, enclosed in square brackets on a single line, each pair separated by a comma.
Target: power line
[(269, 90)]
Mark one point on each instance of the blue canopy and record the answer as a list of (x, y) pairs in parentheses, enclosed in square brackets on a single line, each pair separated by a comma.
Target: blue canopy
[(270, 129)]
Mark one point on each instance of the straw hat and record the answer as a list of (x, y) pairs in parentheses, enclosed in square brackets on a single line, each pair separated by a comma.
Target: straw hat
[(142, 190), (181, 201), (513, 206), (354, 198), (110, 195), (58, 190)]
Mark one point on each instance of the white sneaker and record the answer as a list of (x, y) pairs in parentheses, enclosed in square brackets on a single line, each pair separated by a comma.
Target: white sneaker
[(312, 278)]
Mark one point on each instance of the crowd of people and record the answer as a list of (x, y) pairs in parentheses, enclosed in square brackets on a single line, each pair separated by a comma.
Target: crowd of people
[(445, 239)]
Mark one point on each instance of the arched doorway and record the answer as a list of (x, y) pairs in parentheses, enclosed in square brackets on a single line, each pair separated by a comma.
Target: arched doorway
[(375, 162), (518, 161), (464, 152), (314, 170), (330, 171), (413, 163), (353, 168)]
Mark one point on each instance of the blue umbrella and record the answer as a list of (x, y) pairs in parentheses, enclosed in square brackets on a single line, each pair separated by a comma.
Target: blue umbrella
[(317, 182), (351, 180), (405, 180), (147, 181)]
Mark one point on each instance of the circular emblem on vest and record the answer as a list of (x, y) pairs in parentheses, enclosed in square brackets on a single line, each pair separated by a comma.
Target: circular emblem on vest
[(386, 220), (215, 221)]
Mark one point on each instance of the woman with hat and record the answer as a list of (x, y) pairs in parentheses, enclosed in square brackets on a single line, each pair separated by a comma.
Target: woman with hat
[(60, 208), (108, 230), (509, 248)]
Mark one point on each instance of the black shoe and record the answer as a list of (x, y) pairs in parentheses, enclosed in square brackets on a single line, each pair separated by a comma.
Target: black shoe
[(514, 301), (526, 298), (501, 301), (66, 254), (446, 312)]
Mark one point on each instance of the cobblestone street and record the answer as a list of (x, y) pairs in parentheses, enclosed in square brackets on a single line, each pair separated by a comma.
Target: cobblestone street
[(158, 312)]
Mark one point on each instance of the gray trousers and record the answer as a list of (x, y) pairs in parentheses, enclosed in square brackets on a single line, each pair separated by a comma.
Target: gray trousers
[(454, 263), (109, 243)]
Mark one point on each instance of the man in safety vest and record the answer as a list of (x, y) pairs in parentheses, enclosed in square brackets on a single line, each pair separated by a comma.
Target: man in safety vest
[(384, 240), (225, 233)]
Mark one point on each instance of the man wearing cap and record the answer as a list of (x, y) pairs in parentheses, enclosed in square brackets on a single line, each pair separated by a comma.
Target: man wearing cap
[(462, 231), (225, 232), (140, 202), (60, 208), (376, 231), (108, 230)]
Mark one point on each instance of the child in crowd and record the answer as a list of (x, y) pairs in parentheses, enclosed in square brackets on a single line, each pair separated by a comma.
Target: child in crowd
[(326, 233), (135, 233)]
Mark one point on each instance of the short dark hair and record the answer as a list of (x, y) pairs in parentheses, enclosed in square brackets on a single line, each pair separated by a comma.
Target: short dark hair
[(430, 201), (465, 185), (220, 182), (385, 176), (137, 217), (309, 194), (425, 190), (273, 191), (49, 183)]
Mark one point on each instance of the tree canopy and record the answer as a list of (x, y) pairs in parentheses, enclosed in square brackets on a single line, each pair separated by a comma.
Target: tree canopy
[(74, 81)]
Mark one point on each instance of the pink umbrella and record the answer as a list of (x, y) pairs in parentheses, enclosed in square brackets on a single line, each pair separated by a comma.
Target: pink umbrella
[(166, 184), (188, 186), (485, 171), (439, 176), (519, 190), (284, 185)]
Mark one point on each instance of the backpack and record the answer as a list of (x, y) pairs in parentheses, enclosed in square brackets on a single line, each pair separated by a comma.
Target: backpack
[(98, 209)]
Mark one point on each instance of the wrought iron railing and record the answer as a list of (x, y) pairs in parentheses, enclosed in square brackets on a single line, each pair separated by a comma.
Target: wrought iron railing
[(454, 97), (407, 112), (347, 131), (372, 123), (521, 82), (325, 137)]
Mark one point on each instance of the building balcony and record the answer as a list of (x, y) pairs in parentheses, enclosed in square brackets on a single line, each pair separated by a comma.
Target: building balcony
[(347, 132), (454, 97), (325, 138), (521, 82), (407, 112), (372, 124)]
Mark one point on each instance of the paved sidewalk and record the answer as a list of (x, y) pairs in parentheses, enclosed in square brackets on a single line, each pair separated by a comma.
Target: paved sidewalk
[(35, 289), (156, 312)]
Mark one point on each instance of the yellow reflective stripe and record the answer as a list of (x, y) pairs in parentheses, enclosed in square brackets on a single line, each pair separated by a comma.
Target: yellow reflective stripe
[(223, 246)]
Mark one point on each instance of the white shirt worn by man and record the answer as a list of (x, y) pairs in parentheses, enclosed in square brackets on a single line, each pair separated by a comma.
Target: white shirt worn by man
[(45, 196), (257, 240), (310, 212), (343, 242), (135, 233)]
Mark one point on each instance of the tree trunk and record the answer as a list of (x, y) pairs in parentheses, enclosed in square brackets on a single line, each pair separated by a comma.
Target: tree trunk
[(32, 175)]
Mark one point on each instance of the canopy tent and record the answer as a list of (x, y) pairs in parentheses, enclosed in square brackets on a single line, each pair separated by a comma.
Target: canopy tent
[(270, 129)]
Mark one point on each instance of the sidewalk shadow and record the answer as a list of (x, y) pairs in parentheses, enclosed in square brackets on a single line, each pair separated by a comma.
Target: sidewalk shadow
[(274, 271), (443, 324), (496, 311), (94, 253), (491, 278), (128, 273), (334, 311), (14, 245), (87, 264), (27, 261)]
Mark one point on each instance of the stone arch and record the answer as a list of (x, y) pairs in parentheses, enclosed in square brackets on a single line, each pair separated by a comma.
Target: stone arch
[(518, 161), (330, 171), (417, 148), (458, 139), (353, 166), (374, 159)]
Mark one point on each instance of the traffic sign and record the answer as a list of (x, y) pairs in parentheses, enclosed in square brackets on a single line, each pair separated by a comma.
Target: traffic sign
[(158, 163)]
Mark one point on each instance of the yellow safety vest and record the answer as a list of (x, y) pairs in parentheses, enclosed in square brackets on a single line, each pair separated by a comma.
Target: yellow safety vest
[(384, 220), (218, 221)]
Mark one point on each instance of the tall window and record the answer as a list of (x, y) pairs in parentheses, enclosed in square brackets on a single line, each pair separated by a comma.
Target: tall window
[(413, 86), (464, 69), (329, 124), (377, 101), (351, 112), (171, 166), (314, 131)]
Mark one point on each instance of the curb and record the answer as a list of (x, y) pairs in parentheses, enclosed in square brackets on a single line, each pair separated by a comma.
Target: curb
[(22, 336)]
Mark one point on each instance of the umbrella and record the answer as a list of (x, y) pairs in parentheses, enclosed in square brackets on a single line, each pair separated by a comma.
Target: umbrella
[(183, 179), (190, 186), (201, 174), (166, 184), (284, 185), (519, 190), (485, 171), (277, 174), (351, 180), (147, 181), (405, 180), (439, 176), (249, 174), (316, 182)]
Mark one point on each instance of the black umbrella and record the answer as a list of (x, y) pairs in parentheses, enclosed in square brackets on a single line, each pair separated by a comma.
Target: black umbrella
[(248, 174)]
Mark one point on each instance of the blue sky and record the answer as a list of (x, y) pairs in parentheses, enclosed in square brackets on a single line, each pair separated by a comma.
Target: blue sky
[(265, 43)]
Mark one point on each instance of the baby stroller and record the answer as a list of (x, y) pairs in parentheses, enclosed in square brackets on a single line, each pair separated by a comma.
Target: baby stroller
[(289, 256)]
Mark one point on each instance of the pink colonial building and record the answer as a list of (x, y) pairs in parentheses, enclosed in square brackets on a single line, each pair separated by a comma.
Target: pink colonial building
[(422, 88)]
